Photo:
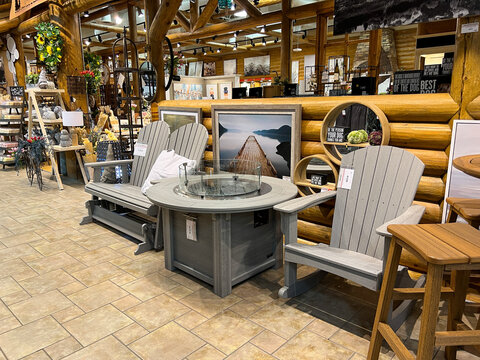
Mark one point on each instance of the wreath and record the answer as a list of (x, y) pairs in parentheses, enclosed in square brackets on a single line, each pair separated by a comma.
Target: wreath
[(49, 45)]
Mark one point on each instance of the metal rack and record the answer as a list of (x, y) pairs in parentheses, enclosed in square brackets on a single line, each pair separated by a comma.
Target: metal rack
[(126, 94), (11, 124)]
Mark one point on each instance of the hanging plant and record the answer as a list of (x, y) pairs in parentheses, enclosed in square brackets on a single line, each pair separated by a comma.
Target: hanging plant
[(177, 63), (91, 81), (49, 45), (93, 64)]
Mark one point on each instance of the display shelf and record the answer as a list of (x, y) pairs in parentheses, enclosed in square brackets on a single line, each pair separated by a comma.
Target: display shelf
[(328, 186), (304, 167), (362, 145), (11, 124)]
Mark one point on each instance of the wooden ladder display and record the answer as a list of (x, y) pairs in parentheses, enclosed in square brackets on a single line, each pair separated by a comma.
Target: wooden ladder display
[(56, 94)]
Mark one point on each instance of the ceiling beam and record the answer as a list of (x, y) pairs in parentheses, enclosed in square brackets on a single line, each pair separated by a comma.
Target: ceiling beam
[(163, 19), (77, 6), (111, 28), (249, 8), (193, 13), (104, 12), (205, 15), (182, 20)]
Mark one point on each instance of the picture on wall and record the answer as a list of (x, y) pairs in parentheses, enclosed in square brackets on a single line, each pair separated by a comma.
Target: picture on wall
[(211, 91), (230, 67), (176, 117), (465, 135), (225, 90), (357, 16), (195, 68), (265, 134), (259, 65), (209, 69), (187, 91)]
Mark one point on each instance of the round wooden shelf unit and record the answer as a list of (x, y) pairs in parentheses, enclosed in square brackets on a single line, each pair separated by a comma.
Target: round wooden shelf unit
[(329, 121), (305, 187)]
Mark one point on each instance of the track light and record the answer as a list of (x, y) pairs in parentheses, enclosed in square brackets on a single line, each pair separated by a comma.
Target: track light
[(218, 50), (99, 38), (262, 30), (175, 22), (27, 36), (304, 34), (197, 41), (233, 7), (204, 52), (252, 43), (214, 37), (211, 50), (264, 42), (118, 36), (88, 41), (139, 12), (236, 33), (256, 2), (275, 41), (194, 51), (178, 44), (217, 10), (235, 47), (86, 14)]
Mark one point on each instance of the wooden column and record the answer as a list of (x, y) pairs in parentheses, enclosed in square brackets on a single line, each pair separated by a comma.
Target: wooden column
[(285, 50), (374, 51), (20, 65), (320, 50), (72, 51), (155, 52), (132, 24), (193, 14)]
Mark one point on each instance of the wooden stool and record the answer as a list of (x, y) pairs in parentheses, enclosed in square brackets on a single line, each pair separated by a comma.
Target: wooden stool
[(454, 247), (469, 209)]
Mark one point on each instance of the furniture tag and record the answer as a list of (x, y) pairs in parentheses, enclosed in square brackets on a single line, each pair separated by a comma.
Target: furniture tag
[(345, 178), (140, 149), (191, 229), (469, 28)]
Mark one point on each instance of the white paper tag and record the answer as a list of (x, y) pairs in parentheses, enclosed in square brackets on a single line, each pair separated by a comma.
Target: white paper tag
[(191, 229), (469, 28), (345, 178), (140, 149)]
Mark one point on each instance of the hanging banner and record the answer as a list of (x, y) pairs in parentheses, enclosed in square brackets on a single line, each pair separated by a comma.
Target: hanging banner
[(21, 6)]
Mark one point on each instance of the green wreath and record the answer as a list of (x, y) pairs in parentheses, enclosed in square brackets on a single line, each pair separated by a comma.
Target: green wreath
[(49, 45)]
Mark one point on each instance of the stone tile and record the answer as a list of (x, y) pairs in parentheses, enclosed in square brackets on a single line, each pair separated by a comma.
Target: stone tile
[(68, 246), (249, 351), (123, 279), (292, 320), (149, 286), (160, 342), (205, 302), (53, 262), (227, 331), (97, 274), (63, 348), (39, 355), (244, 308), (121, 260), (126, 302), (16, 252), (72, 288), (157, 312), (40, 306), (27, 339), (46, 282), (8, 324), (308, 346), (105, 349), (98, 295), (17, 269), (179, 292), (4, 232), (68, 314), (97, 324), (17, 239), (130, 333), (191, 320), (96, 242), (142, 267), (208, 352), (268, 341), (97, 256), (325, 328), (15, 297), (188, 281), (4, 312), (255, 294), (8, 286)]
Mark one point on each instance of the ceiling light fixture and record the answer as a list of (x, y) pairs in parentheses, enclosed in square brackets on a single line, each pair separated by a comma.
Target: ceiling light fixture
[(118, 36), (99, 38), (139, 12), (86, 14), (88, 41), (118, 20), (211, 50), (236, 33), (194, 51), (252, 43), (197, 41), (204, 52), (214, 37), (234, 6), (235, 47), (263, 29), (27, 36), (275, 41), (264, 42), (178, 45), (218, 50), (175, 22), (304, 34)]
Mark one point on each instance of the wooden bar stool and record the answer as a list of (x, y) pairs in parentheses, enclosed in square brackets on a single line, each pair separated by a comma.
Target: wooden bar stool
[(469, 209), (454, 247)]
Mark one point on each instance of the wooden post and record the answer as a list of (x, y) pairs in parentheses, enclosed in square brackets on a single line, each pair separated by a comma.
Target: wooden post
[(285, 52), (155, 53), (20, 65), (320, 42), (193, 13), (132, 24), (374, 51)]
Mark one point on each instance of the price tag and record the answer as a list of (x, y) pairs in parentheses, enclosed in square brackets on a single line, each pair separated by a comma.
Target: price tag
[(345, 178), (469, 28), (191, 229), (140, 149)]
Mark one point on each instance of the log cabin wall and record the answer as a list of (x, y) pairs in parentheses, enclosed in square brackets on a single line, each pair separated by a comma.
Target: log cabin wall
[(418, 123)]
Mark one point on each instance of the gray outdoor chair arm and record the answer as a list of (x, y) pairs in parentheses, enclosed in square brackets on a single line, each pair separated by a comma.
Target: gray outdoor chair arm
[(100, 164), (302, 203), (411, 216)]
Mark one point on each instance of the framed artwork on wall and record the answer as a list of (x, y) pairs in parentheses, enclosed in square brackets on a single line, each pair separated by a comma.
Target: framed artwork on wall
[(270, 133), (209, 69), (176, 117), (225, 90), (259, 65), (187, 91), (465, 135), (230, 67), (211, 91)]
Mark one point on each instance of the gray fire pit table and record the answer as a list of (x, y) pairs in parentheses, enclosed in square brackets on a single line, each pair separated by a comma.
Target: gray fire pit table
[(221, 242)]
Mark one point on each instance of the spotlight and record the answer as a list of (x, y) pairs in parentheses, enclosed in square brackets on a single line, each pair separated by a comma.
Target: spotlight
[(217, 10), (214, 37), (262, 30), (211, 50), (118, 36), (109, 58), (178, 44), (304, 34), (252, 43), (256, 2), (139, 12), (27, 36), (197, 41), (175, 22), (275, 41), (118, 20), (236, 33), (264, 42), (204, 52), (218, 50), (99, 38), (233, 7), (194, 51), (235, 47), (86, 14)]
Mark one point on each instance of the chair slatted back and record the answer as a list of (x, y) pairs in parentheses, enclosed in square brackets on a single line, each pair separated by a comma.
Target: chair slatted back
[(384, 184), (156, 136), (189, 141)]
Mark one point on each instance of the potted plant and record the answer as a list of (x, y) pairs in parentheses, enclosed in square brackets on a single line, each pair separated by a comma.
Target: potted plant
[(31, 80), (275, 89), (92, 73)]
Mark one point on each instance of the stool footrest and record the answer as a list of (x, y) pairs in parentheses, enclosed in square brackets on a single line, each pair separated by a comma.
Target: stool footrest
[(418, 293), (394, 341), (454, 338)]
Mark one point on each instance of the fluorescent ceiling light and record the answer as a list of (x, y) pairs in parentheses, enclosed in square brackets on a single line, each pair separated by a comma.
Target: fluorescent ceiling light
[(242, 14)]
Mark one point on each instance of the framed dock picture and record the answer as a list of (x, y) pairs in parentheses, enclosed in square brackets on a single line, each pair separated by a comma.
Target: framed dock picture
[(269, 134), (176, 117)]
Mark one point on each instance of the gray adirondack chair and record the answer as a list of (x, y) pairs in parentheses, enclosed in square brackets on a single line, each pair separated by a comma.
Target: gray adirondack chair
[(115, 204), (385, 181)]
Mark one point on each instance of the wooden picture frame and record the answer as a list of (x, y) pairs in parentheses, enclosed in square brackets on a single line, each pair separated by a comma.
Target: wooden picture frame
[(179, 116), (249, 120)]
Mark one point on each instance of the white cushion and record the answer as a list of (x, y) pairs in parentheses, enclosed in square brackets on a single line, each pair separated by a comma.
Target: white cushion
[(166, 166)]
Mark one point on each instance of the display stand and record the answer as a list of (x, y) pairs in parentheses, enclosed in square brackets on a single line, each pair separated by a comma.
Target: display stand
[(55, 96), (11, 124)]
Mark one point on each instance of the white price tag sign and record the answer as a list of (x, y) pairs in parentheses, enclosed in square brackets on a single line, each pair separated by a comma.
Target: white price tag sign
[(191, 229), (345, 178), (469, 28), (140, 149)]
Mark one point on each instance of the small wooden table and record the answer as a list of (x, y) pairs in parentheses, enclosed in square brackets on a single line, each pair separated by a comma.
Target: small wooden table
[(454, 247)]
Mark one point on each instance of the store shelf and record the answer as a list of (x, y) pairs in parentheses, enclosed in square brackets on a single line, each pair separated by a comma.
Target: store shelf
[(328, 186), (362, 145), (58, 148), (50, 122)]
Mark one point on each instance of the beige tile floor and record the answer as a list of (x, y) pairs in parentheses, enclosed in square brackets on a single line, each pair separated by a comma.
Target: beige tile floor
[(78, 292)]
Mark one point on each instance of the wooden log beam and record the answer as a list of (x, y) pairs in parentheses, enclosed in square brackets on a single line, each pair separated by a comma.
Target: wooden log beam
[(313, 9), (132, 24), (374, 51), (286, 45), (28, 26), (193, 14), (111, 28), (6, 25), (77, 6), (122, 5), (20, 66), (473, 108), (182, 20), (251, 9), (205, 15)]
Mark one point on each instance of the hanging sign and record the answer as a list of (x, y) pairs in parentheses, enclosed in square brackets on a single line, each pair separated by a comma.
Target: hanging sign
[(20, 6)]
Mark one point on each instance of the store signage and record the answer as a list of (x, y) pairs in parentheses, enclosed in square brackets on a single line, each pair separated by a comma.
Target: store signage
[(447, 65), (318, 180), (140, 149), (407, 82), (345, 178), (429, 86), (469, 28), (337, 134), (431, 70), (20, 6)]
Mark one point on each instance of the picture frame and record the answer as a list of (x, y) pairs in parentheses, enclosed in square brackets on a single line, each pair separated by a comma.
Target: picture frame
[(176, 117), (211, 91), (225, 91), (257, 66), (230, 67), (209, 69), (465, 134), (266, 123)]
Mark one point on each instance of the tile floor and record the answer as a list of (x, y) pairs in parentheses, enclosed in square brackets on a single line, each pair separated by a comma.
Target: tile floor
[(78, 292)]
